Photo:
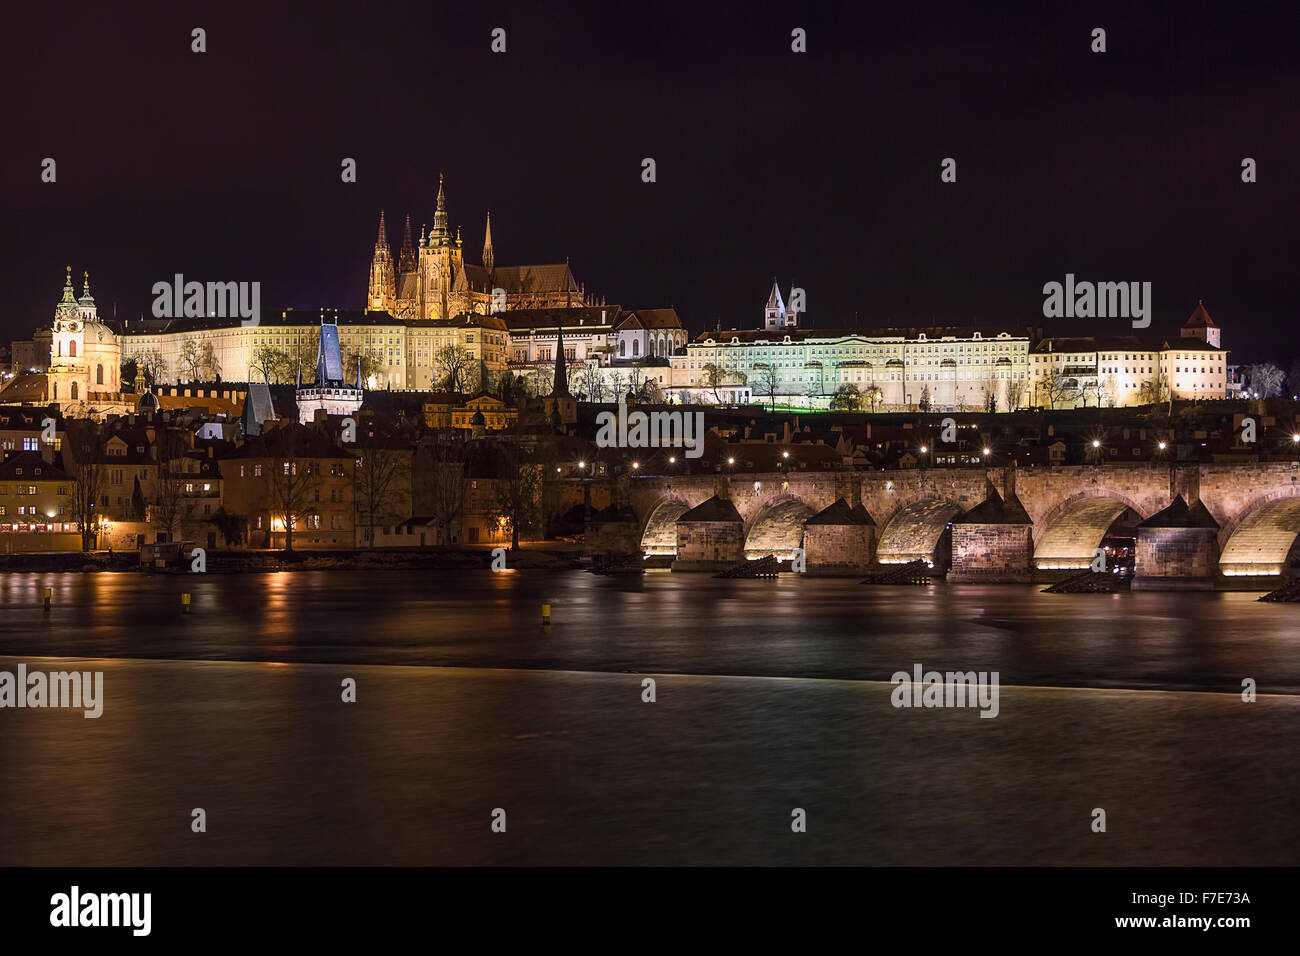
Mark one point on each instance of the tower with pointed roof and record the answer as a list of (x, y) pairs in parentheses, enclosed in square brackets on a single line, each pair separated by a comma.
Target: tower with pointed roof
[(774, 314), (560, 408), (1201, 326), (383, 278), (489, 260), (440, 262)]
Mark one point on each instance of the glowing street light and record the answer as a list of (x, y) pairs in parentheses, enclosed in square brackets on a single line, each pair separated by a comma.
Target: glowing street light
[(987, 451)]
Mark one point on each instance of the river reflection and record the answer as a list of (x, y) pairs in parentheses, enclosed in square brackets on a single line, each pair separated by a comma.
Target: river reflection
[(770, 695)]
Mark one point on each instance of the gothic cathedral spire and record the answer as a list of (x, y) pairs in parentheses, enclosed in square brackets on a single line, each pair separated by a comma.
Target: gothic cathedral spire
[(406, 255), (383, 282), (489, 261), (440, 214)]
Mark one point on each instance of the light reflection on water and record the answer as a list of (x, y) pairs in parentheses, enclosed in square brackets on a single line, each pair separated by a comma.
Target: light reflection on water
[(664, 622), (549, 723)]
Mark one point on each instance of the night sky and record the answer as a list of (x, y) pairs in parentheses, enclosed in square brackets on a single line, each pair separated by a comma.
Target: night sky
[(820, 169)]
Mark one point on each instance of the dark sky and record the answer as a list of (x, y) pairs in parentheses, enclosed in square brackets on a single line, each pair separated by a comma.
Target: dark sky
[(820, 168)]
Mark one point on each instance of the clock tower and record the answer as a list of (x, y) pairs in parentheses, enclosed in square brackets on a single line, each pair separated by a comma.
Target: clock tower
[(85, 355)]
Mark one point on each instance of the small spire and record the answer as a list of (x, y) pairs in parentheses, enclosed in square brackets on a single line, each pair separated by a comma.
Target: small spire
[(560, 387), (383, 232), (489, 259)]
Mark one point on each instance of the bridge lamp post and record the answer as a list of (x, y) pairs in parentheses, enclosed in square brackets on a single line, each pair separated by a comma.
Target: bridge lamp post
[(1096, 451)]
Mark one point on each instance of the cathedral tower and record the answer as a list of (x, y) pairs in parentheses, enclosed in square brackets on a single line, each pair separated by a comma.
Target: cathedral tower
[(774, 314), (489, 260), (440, 261), (383, 280)]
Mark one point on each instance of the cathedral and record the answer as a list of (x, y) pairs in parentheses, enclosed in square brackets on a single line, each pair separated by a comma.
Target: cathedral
[(431, 279)]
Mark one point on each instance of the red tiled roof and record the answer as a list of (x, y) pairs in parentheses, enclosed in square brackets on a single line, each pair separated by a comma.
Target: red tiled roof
[(1200, 319)]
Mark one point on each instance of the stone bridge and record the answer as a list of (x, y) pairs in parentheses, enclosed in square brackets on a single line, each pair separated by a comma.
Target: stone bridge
[(1069, 508)]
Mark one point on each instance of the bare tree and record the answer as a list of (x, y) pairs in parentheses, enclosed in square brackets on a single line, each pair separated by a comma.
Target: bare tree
[(370, 365), (302, 355), (291, 486), (83, 447), (1058, 388), (440, 480), (990, 390), (209, 364), (767, 384), (1265, 379), (165, 509), (518, 498), (190, 361), (456, 367), (1015, 393), (153, 366), (587, 378), (715, 377), (383, 473)]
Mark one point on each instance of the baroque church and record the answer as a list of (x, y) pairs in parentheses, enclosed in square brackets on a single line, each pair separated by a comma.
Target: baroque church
[(431, 279), (85, 357)]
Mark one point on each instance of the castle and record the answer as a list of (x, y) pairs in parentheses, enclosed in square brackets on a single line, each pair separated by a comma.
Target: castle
[(432, 280)]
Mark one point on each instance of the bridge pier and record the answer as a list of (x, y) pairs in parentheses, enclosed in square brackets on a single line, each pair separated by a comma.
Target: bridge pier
[(839, 540), (710, 537), (1177, 549), (993, 542)]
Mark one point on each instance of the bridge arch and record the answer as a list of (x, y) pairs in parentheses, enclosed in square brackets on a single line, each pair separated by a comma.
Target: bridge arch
[(1260, 537), (1075, 528), (919, 530), (778, 528), (659, 536)]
